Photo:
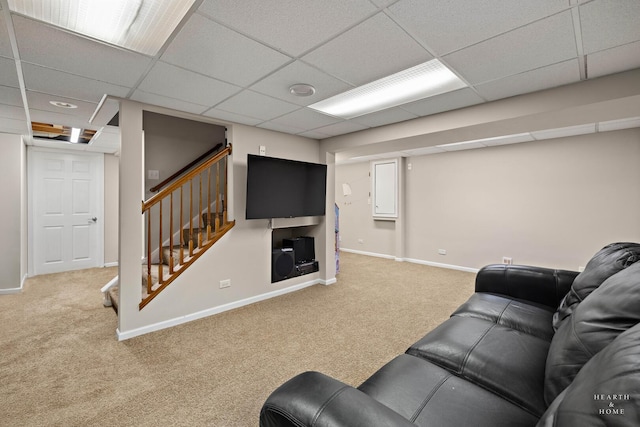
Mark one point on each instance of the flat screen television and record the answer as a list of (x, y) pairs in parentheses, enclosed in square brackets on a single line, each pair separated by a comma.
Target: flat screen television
[(282, 188)]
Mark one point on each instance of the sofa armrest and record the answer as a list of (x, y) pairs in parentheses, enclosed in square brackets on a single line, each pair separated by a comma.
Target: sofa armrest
[(536, 284), (314, 399)]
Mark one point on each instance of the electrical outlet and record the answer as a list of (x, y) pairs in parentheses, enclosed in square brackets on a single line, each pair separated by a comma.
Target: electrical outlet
[(581, 269), (507, 260), (263, 150), (442, 251), (225, 283), (361, 241)]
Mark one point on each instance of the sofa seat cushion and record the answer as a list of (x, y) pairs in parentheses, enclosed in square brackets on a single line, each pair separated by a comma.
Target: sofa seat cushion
[(508, 362), (429, 395), (533, 319), (608, 311)]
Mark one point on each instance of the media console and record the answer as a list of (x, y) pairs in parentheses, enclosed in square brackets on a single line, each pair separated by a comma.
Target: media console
[(295, 258)]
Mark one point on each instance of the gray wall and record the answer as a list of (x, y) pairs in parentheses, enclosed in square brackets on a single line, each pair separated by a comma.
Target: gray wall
[(12, 225), (552, 203), (110, 209), (242, 256)]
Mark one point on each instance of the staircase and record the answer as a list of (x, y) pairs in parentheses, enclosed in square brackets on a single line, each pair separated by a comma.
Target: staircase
[(201, 190)]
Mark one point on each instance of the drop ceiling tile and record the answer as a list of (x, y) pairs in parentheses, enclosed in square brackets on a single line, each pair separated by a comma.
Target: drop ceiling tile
[(279, 127), (41, 101), (609, 23), (614, 60), (278, 84), (341, 128), (253, 104), (385, 117), (13, 126), (12, 112), (452, 25), (531, 81), (293, 26), (166, 102), (67, 52), (372, 50), (383, 3), (109, 108), (8, 74), (304, 119), (59, 119), (216, 51), (313, 134), (444, 102), (5, 44), (173, 82), (10, 96), (537, 45), (232, 117), (56, 82)]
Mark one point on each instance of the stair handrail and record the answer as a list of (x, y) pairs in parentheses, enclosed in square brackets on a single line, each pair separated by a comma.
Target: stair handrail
[(157, 198), (185, 168)]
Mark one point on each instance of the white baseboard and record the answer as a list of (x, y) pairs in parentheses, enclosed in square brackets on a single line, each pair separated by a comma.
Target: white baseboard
[(440, 265), (14, 290), (354, 251), (412, 260), (214, 310), (110, 264)]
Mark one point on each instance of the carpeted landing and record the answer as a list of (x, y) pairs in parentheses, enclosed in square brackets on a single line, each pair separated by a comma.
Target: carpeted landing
[(62, 366)]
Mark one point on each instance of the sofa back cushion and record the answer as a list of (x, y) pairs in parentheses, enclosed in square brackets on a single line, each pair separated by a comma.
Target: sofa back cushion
[(605, 391), (605, 263), (608, 311)]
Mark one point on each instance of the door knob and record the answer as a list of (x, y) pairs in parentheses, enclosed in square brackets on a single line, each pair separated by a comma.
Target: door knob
[(94, 219)]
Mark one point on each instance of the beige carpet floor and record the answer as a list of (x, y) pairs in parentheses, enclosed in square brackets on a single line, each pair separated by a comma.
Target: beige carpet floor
[(60, 364)]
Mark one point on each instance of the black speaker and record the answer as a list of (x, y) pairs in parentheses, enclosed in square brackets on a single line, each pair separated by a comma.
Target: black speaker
[(282, 264), (303, 247)]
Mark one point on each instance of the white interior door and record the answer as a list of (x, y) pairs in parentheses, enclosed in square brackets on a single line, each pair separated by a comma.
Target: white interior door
[(66, 195)]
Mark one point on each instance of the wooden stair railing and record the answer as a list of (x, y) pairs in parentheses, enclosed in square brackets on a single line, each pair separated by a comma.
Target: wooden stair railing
[(194, 239)]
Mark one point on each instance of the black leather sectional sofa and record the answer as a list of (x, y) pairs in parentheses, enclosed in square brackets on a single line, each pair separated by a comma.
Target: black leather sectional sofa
[(532, 346)]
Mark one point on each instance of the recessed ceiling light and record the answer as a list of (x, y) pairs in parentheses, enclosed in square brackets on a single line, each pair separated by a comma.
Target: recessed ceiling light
[(422, 81), (302, 89), (62, 104), (139, 25)]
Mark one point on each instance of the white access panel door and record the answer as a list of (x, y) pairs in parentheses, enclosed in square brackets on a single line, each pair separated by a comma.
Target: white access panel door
[(385, 189), (66, 195)]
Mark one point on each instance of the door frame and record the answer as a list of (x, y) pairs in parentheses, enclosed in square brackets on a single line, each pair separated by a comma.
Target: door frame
[(31, 175)]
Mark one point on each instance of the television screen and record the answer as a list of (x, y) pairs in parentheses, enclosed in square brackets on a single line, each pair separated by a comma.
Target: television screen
[(282, 188)]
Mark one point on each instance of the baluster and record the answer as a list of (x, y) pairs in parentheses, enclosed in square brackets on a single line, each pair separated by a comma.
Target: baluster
[(181, 225), (171, 233), (191, 217), (200, 212), (224, 195), (209, 203), (217, 195), (160, 278), (148, 211)]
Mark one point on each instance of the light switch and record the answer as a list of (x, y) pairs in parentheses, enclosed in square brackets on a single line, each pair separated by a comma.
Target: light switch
[(153, 174)]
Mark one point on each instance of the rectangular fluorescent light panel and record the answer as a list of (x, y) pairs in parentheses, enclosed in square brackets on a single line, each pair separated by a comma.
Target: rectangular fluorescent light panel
[(75, 135), (419, 82), (139, 25)]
